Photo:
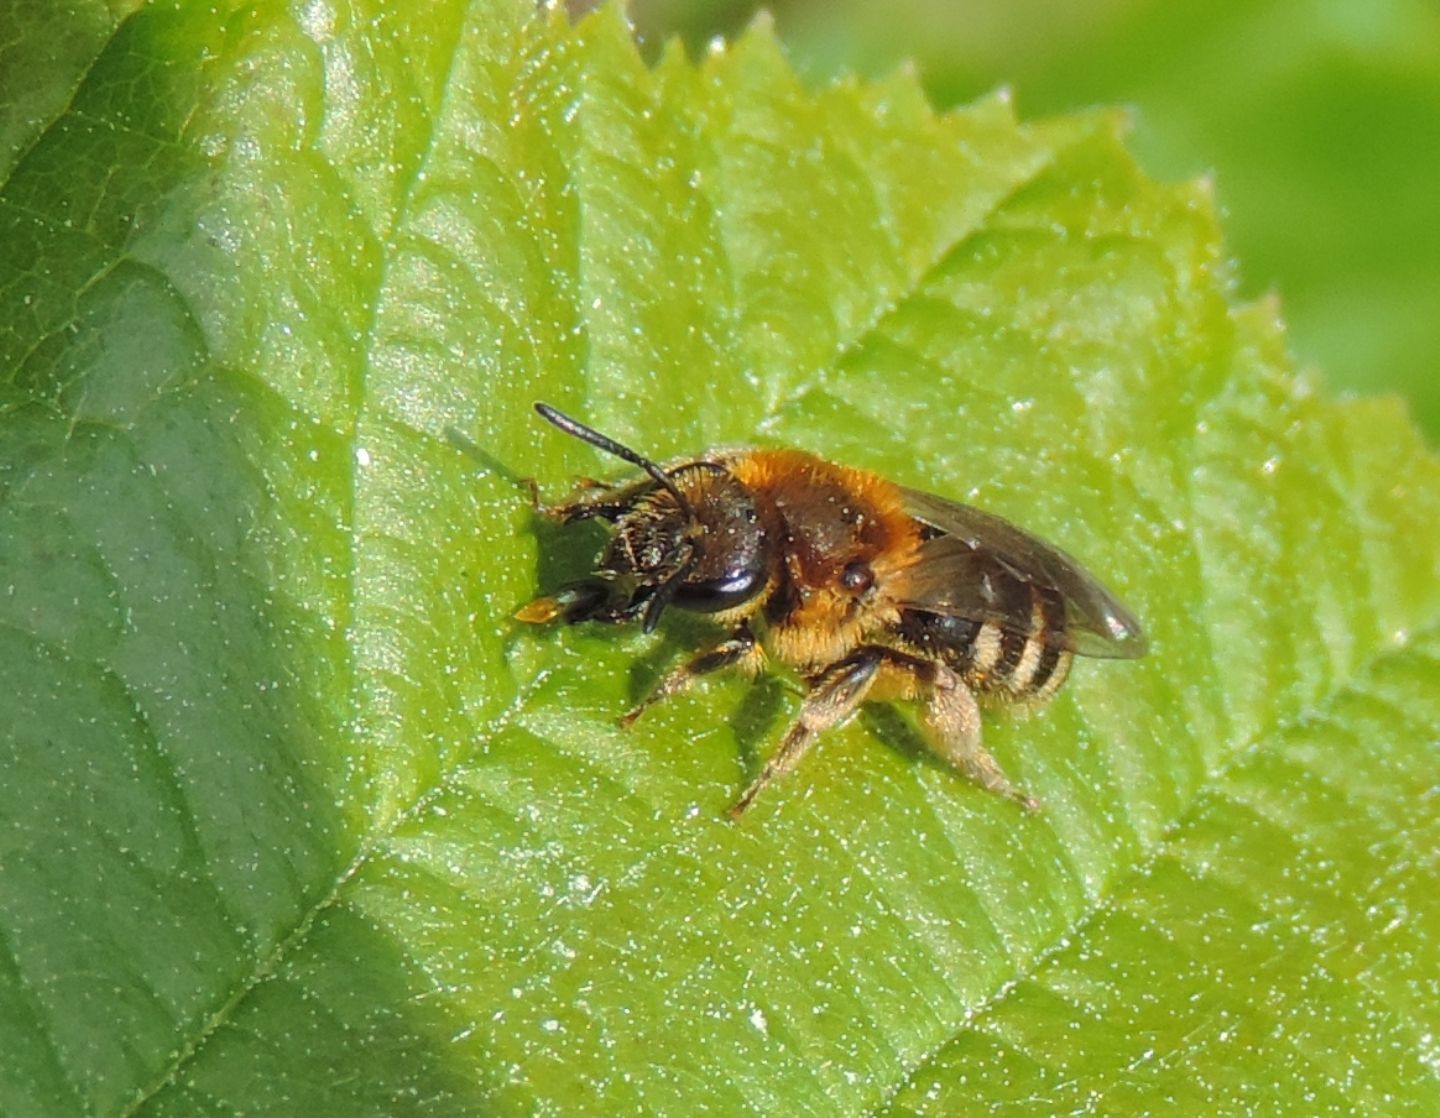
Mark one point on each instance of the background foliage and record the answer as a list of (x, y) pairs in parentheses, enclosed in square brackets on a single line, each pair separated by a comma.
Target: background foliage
[(292, 819)]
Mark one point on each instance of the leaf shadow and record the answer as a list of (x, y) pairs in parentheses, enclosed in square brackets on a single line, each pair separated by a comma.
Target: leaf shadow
[(677, 642), (564, 552), (755, 718), (887, 724)]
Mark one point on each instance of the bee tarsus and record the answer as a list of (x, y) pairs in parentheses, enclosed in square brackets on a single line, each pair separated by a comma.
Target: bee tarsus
[(740, 648)]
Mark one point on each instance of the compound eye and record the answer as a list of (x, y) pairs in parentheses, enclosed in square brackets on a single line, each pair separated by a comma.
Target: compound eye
[(715, 595)]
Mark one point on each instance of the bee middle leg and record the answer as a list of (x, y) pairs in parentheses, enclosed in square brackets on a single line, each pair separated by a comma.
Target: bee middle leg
[(740, 649), (835, 694)]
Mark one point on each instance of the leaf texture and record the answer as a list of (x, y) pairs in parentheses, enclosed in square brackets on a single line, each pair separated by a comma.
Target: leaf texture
[(295, 820)]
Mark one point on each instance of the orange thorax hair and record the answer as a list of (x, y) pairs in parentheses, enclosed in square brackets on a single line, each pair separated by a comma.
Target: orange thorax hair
[(826, 519)]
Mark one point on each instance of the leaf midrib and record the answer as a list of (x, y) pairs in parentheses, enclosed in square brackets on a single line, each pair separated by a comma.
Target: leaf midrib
[(375, 838)]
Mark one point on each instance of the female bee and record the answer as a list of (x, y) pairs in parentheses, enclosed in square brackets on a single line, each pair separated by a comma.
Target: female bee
[(869, 590)]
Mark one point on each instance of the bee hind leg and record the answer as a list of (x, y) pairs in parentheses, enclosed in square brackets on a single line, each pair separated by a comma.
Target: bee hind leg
[(834, 696), (740, 649), (950, 718)]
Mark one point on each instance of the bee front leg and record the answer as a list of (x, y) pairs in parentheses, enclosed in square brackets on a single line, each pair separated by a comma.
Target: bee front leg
[(571, 511), (740, 649), (590, 499), (951, 720), (834, 696)]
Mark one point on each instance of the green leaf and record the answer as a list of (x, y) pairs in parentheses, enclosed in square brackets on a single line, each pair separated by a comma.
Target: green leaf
[(295, 821), (1319, 121)]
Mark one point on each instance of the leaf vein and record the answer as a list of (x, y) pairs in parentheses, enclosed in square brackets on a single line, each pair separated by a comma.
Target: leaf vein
[(1106, 901)]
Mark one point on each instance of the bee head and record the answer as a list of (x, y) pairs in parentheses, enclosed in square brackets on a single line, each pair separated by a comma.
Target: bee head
[(692, 540)]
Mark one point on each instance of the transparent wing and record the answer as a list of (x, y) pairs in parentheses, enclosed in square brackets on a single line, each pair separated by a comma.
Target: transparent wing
[(978, 562)]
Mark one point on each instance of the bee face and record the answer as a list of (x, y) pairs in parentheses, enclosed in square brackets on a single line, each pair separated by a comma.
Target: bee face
[(652, 543), (705, 550), (694, 540), (870, 591)]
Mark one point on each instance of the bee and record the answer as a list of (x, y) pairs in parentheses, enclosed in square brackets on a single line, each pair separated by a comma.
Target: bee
[(870, 591)]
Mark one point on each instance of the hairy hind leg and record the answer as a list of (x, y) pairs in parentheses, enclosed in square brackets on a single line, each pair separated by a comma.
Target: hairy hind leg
[(951, 720)]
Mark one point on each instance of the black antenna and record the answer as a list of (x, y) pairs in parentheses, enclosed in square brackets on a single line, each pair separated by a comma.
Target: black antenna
[(610, 446)]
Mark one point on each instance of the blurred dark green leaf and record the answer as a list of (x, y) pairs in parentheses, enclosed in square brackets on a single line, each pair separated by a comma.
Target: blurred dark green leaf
[(293, 821)]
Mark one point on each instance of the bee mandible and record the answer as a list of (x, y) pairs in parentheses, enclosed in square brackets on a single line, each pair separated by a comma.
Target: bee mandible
[(869, 590)]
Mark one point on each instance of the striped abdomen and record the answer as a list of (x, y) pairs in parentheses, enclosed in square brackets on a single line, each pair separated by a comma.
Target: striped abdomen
[(1019, 649)]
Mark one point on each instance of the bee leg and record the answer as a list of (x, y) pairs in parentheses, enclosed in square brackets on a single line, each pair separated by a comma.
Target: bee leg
[(834, 696), (741, 648), (951, 719), (589, 499), (571, 511)]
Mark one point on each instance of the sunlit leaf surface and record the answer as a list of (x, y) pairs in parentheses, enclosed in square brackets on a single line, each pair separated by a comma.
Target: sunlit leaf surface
[(293, 820)]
